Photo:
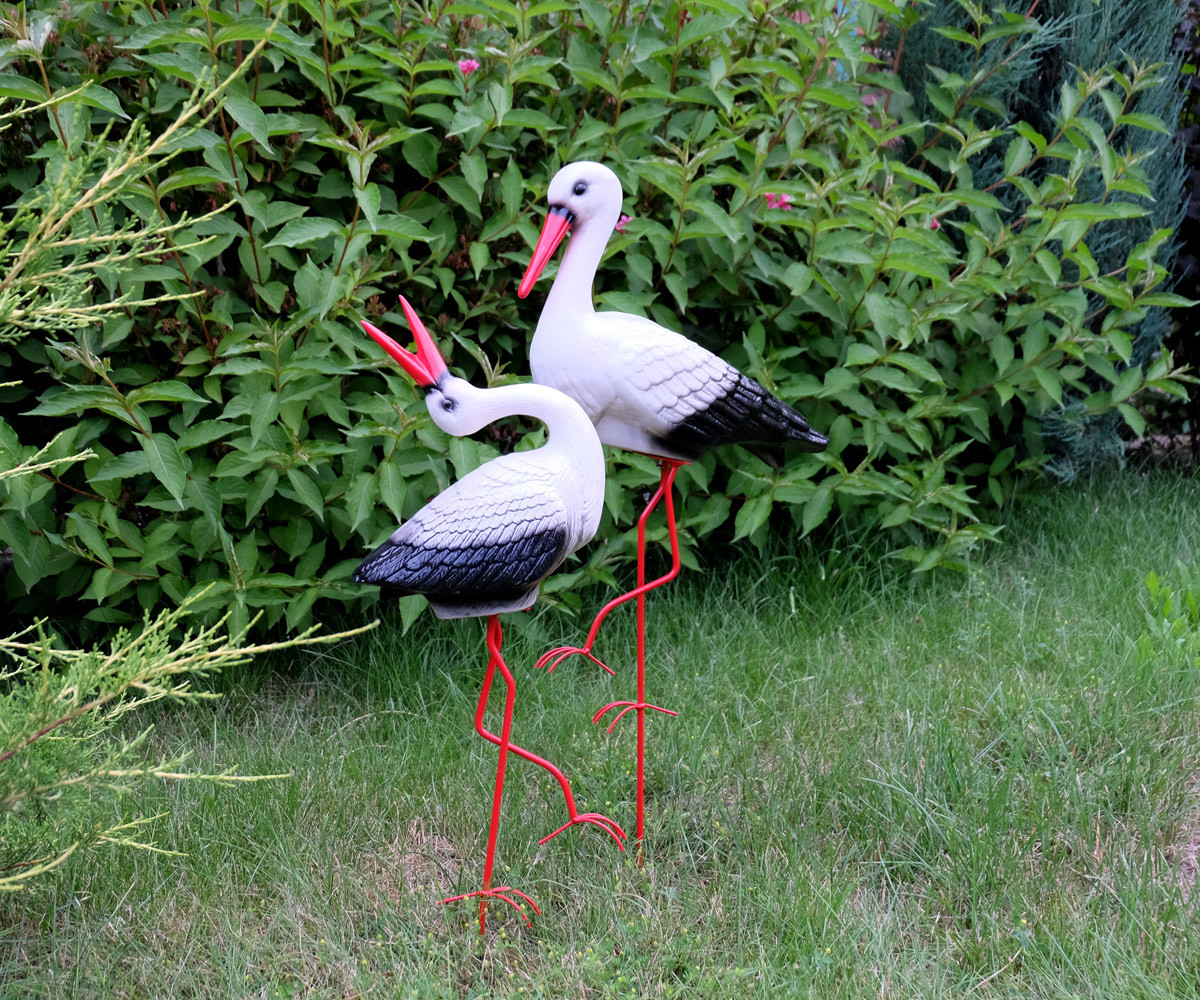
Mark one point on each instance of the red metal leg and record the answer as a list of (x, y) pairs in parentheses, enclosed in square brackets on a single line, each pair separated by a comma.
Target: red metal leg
[(555, 657), (665, 489), (505, 893), (575, 816)]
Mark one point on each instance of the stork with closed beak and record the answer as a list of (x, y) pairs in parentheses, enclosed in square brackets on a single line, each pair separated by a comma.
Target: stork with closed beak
[(483, 546), (646, 388)]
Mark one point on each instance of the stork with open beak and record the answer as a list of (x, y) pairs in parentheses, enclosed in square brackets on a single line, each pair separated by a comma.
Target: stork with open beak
[(483, 546), (646, 388)]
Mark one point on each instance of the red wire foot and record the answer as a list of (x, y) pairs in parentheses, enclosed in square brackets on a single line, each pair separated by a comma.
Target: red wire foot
[(611, 827), (500, 892), (629, 706), (560, 653)]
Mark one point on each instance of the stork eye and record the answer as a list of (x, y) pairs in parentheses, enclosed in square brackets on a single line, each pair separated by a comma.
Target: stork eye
[(580, 188), (448, 404)]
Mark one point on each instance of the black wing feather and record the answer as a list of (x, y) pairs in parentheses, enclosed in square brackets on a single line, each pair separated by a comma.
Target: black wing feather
[(744, 414), (488, 568)]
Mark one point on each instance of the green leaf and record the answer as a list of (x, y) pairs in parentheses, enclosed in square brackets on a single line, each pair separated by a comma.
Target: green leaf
[(368, 198), (817, 508), (861, 354), (391, 488), (1003, 352), (753, 514), (307, 492), (402, 227), (1136, 422), (100, 97), (175, 392), (21, 88), (1048, 382), (360, 498), (166, 463), (911, 263), (131, 463), (251, 117), (528, 118), (678, 286), (512, 187), (480, 256), (474, 171), (462, 192), (1102, 213), (1128, 382), (1020, 152), (262, 488), (264, 409), (1139, 120), (75, 400), (300, 232), (421, 152), (846, 246)]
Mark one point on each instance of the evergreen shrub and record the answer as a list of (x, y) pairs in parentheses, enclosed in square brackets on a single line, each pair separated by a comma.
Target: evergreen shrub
[(250, 443), (63, 759), (1015, 84)]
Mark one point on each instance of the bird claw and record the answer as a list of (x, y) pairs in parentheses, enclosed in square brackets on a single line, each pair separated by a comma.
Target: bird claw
[(627, 707), (596, 819), (560, 653), (500, 892)]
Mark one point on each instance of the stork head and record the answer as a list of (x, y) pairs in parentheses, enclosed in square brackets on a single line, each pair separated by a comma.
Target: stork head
[(444, 393), (579, 193)]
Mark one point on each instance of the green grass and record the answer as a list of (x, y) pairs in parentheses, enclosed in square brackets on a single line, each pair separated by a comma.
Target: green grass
[(879, 786)]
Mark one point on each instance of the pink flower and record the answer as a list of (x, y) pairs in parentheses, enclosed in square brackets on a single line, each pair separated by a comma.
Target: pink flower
[(801, 17), (468, 66), (779, 201), (622, 222), (934, 224)]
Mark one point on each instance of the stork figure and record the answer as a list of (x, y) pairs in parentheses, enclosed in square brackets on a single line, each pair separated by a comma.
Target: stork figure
[(646, 388), (482, 547)]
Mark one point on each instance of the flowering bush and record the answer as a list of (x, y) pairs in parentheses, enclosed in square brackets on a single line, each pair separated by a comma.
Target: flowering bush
[(247, 437)]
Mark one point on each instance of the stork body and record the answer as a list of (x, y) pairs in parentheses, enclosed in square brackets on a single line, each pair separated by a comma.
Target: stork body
[(482, 547), (646, 388)]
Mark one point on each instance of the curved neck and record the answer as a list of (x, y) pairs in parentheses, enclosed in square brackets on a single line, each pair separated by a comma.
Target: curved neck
[(572, 289), (569, 431)]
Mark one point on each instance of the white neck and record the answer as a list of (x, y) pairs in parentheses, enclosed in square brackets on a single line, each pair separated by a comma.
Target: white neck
[(572, 289), (569, 431)]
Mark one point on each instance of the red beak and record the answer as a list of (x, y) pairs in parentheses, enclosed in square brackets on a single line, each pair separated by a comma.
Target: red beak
[(426, 366), (558, 221)]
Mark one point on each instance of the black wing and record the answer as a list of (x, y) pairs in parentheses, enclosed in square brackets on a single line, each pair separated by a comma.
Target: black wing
[(495, 533), (743, 412)]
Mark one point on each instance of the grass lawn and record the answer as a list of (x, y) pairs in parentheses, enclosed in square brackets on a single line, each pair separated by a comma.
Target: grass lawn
[(879, 785)]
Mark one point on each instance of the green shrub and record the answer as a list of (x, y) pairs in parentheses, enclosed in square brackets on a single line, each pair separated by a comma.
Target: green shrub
[(251, 443)]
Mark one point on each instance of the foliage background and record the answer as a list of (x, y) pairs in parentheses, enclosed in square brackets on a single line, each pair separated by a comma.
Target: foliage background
[(1072, 34), (248, 440)]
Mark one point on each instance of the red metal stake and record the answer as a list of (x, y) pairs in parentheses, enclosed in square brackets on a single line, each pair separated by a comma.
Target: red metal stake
[(575, 816), (504, 892), (555, 657), (665, 490), (495, 637)]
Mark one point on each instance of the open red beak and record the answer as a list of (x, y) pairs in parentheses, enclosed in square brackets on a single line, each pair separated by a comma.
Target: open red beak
[(426, 366), (558, 221)]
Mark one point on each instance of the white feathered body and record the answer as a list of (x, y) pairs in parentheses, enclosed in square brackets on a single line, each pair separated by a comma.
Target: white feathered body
[(646, 388), (484, 545)]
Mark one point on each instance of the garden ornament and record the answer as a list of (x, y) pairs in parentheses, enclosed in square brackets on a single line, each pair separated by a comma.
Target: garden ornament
[(646, 388), (482, 547)]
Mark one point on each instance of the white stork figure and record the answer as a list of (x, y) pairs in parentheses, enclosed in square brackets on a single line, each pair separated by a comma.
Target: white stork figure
[(482, 547), (646, 388)]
